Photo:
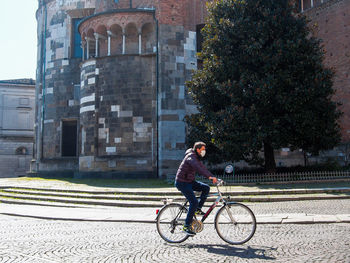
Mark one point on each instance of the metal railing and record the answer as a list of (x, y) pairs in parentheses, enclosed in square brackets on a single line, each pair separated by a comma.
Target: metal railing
[(286, 177), (279, 177)]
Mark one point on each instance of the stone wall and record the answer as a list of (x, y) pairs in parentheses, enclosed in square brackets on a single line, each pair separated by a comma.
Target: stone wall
[(175, 69), (58, 76), (117, 114), (60, 103), (15, 156)]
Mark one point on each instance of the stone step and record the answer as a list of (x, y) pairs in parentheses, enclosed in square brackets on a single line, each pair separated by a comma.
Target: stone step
[(146, 201), (15, 198), (139, 197), (84, 195), (174, 192), (16, 201)]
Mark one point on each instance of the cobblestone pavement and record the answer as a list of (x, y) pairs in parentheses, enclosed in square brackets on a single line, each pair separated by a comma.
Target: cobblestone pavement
[(34, 240)]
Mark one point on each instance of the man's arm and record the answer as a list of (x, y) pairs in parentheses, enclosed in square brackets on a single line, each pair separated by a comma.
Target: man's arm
[(201, 169)]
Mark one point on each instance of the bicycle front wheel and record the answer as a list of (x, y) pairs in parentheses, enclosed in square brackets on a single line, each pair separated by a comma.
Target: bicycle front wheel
[(169, 221), (235, 223)]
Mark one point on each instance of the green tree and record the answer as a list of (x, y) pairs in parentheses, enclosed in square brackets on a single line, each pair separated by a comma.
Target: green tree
[(263, 84)]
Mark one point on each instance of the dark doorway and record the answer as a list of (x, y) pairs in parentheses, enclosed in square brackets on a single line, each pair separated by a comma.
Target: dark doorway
[(69, 138)]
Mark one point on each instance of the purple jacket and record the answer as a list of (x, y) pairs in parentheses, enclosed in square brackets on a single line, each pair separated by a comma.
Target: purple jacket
[(189, 166)]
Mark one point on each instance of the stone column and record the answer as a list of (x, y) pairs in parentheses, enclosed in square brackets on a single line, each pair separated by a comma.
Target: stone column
[(96, 46), (140, 43), (87, 48), (83, 49), (109, 33), (123, 42)]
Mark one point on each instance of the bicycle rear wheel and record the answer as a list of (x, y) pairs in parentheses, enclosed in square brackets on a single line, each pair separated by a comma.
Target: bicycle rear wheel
[(169, 221), (235, 223)]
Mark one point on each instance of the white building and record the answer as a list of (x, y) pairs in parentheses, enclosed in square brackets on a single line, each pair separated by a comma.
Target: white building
[(17, 108)]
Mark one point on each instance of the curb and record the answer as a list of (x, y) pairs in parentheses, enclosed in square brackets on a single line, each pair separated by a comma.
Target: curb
[(82, 219), (38, 204), (298, 222), (10, 199)]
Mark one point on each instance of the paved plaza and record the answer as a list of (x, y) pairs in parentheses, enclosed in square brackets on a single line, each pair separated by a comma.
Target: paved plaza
[(312, 211), (36, 240), (293, 231)]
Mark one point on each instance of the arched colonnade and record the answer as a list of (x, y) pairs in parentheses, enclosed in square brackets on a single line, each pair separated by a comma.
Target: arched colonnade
[(118, 34)]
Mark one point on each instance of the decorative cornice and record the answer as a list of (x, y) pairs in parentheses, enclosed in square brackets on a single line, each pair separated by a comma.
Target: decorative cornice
[(18, 81), (116, 11)]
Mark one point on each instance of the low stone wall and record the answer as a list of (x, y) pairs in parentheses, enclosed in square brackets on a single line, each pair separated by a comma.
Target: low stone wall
[(14, 165)]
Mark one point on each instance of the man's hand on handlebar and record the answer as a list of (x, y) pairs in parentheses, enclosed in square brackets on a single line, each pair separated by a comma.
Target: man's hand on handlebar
[(215, 180)]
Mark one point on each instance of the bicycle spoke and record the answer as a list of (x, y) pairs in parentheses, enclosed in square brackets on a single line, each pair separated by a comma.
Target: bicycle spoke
[(235, 223), (169, 223)]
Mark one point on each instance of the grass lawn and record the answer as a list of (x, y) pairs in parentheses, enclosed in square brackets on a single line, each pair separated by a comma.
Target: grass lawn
[(114, 183)]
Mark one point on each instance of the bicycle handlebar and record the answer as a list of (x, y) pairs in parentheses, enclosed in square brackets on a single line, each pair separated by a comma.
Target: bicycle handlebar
[(220, 182)]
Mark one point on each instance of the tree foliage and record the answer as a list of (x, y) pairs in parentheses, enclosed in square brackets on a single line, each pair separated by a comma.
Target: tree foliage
[(263, 84)]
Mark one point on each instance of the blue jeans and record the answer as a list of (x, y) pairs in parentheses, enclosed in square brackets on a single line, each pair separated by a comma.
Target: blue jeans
[(187, 190)]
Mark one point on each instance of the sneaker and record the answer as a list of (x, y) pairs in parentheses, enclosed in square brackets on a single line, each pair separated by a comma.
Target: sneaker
[(188, 230), (199, 212)]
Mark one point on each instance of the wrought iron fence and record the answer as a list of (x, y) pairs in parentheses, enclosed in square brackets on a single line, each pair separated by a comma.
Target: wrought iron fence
[(286, 177), (280, 177)]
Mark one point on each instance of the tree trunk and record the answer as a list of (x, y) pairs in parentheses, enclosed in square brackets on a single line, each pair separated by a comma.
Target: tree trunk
[(305, 159), (270, 164)]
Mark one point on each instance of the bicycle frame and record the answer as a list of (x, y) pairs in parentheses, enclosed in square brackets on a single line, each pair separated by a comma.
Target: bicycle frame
[(211, 208), (215, 203)]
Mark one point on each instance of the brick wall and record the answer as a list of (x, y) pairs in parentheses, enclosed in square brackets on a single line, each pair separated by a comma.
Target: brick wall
[(331, 23)]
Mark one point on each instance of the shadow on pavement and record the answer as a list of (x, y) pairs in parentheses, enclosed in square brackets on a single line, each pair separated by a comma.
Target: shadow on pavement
[(232, 251)]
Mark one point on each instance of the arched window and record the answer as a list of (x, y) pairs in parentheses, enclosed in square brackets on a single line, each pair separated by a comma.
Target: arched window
[(102, 44), (148, 38), (132, 39), (91, 44), (116, 39), (21, 151)]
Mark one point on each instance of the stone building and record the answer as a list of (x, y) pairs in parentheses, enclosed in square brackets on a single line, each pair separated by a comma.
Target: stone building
[(111, 84), (111, 74), (17, 100)]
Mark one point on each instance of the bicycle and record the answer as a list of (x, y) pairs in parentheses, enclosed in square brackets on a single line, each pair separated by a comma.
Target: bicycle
[(235, 223)]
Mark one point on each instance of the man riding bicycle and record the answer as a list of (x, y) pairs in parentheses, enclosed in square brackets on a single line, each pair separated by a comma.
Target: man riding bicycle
[(186, 183)]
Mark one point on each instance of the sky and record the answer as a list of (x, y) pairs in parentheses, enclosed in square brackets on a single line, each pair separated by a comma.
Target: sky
[(18, 40)]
